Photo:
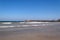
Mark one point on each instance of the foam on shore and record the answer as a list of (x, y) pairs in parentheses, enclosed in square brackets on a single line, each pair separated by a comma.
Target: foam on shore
[(7, 23), (32, 22), (24, 24), (6, 26)]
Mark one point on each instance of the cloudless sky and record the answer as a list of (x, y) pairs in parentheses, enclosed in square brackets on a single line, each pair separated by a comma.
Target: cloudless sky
[(29, 9)]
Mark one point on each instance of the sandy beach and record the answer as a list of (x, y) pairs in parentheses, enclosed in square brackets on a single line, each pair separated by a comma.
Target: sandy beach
[(48, 32), (30, 36)]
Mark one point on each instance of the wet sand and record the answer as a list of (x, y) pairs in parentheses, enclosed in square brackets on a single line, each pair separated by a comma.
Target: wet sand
[(30, 36)]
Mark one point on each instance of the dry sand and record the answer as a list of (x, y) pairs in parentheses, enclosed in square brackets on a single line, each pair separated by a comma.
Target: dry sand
[(30, 36)]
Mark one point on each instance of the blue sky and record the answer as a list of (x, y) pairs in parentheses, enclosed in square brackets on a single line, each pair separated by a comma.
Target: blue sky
[(29, 9)]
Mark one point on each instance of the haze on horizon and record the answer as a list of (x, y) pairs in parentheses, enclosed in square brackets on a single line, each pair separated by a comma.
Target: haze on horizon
[(29, 9)]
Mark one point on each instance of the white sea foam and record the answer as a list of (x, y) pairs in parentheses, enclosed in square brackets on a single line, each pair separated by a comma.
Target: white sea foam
[(6, 26), (25, 25), (32, 22), (37, 22), (7, 23), (28, 24)]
